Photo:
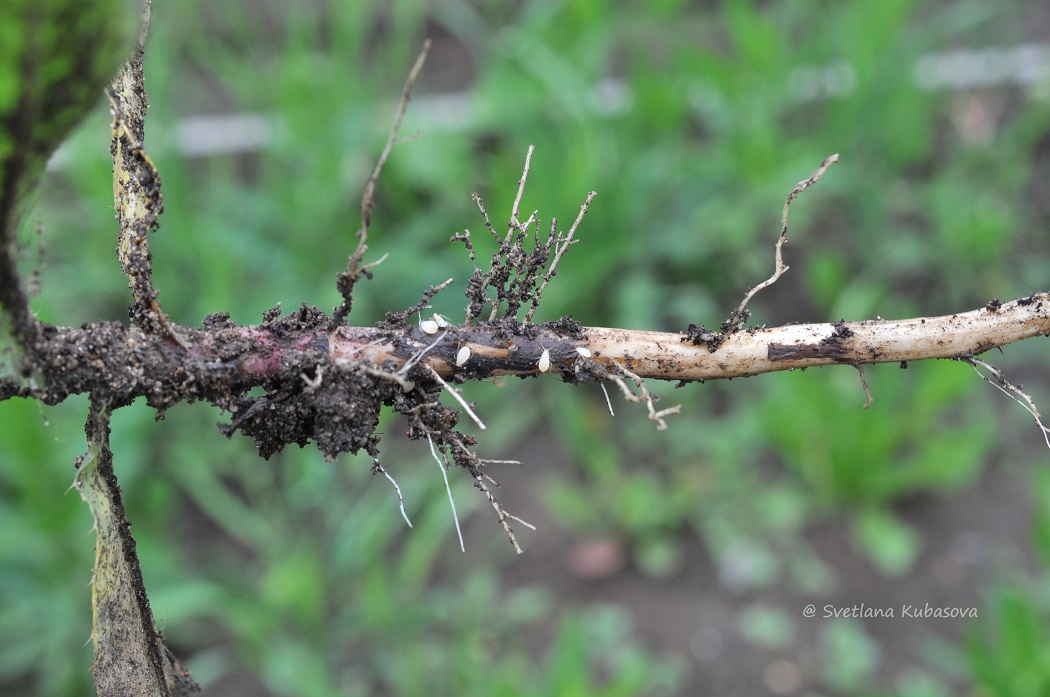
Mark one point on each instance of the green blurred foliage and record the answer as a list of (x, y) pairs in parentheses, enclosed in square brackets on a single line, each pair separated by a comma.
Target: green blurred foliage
[(692, 124), (55, 59), (849, 655), (1009, 654), (1008, 650)]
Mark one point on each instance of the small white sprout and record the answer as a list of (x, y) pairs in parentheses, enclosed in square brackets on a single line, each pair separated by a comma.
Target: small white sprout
[(544, 363), (440, 320), (314, 382), (463, 356), (584, 352)]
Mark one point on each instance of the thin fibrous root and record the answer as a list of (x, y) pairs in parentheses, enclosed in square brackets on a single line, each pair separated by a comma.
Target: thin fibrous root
[(414, 358), (643, 396), (378, 468), (864, 384), (455, 393), (480, 461), (451, 501), (559, 250), (428, 295), (520, 270), (377, 262), (737, 319), (1008, 388), (608, 401), (406, 385), (521, 190), (354, 269), (502, 514), (479, 478), (367, 199)]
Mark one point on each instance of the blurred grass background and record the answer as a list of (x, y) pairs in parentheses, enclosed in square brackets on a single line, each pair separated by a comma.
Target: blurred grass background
[(692, 121)]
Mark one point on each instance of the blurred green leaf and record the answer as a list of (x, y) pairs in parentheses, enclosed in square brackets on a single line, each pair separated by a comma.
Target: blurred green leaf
[(849, 655), (1009, 654), (55, 58), (888, 542), (766, 626)]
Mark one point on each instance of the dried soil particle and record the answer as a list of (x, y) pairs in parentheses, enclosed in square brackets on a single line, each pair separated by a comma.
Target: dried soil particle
[(566, 326), (340, 414), (840, 333), (700, 335)]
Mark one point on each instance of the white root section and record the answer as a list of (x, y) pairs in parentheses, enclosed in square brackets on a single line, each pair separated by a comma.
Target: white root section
[(670, 356), (767, 350)]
